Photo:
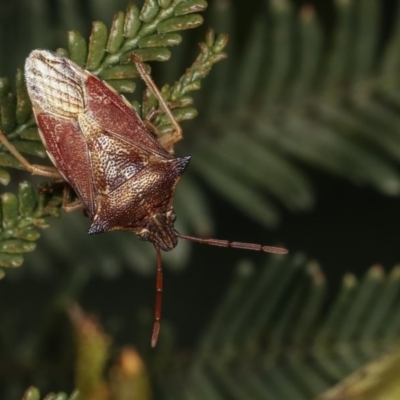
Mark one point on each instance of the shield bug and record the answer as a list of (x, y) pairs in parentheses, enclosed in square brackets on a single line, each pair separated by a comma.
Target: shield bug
[(123, 176)]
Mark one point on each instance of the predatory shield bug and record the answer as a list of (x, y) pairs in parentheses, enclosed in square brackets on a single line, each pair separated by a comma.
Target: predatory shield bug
[(123, 176)]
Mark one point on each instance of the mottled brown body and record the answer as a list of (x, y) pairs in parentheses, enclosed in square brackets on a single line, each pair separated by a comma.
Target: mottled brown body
[(124, 177)]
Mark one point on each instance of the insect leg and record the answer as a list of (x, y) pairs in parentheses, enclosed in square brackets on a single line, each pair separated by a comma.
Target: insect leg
[(43, 170), (159, 292), (166, 141), (67, 204)]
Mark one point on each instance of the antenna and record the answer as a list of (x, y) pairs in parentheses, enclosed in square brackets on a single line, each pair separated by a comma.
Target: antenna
[(236, 245), (211, 242)]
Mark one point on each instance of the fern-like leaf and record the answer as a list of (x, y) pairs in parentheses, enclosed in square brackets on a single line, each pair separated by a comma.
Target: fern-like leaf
[(300, 96), (273, 337), (33, 393), (277, 334), (21, 216)]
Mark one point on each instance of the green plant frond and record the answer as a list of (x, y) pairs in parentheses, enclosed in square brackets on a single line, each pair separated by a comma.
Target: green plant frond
[(273, 335), (303, 95), (21, 216), (375, 380), (211, 52), (98, 374), (33, 393), (146, 32), (276, 334), (92, 348)]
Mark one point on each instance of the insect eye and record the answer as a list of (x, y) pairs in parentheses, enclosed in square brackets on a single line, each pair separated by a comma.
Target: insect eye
[(172, 216), (144, 235)]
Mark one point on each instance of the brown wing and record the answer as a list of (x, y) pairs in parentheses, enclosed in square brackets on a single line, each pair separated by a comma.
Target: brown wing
[(68, 150), (92, 134), (115, 115)]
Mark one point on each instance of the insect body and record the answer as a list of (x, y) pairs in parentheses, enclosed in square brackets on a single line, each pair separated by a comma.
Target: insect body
[(124, 178)]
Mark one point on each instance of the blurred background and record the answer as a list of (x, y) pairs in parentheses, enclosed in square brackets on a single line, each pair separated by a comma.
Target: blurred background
[(296, 144)]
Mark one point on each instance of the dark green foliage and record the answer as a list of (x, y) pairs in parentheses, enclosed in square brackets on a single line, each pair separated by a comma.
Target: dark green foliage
[(298, 95), (34, 394), (21, 215), (273, 337)]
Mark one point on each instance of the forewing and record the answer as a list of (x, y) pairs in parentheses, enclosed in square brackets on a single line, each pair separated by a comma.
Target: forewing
[(92, 134), (68, 150), (116, 115)]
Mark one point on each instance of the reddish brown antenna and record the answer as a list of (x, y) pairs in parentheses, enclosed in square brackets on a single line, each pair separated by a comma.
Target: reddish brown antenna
[(211, 242), (236, 245)]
